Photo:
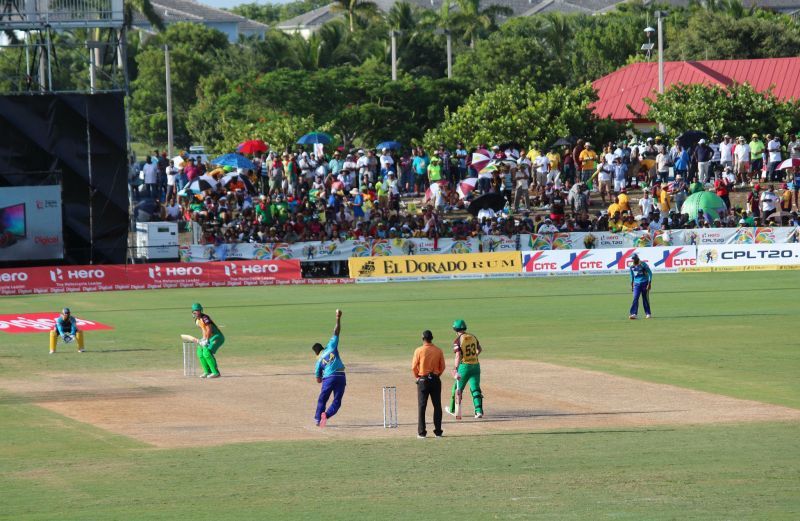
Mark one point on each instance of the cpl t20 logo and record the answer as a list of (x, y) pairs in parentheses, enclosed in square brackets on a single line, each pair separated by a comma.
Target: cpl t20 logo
[(460, 247), (708, 256), (309, 251)]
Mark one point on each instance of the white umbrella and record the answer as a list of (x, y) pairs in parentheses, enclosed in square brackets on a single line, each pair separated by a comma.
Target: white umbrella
[(792, 162), (466, 186), (178, 161)]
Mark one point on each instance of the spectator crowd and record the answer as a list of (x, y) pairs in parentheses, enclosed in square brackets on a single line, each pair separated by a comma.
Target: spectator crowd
[(308, 195)]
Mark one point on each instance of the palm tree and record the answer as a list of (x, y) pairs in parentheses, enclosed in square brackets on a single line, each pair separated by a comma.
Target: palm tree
[(556, 32), (475, 22), (355, 8)]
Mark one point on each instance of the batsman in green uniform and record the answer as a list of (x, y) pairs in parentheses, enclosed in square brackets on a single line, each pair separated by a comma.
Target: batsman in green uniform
[(467, 370), (209, 344)]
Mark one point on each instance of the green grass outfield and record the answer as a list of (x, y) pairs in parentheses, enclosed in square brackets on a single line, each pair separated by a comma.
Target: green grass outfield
[(728, 333)]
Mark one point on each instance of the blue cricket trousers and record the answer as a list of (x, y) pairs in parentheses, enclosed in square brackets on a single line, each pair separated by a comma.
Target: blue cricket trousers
[(640, 289), (331, 384)]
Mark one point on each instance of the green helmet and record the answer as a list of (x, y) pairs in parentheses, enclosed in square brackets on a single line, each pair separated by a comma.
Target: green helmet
[(197, 307), (459, 325)]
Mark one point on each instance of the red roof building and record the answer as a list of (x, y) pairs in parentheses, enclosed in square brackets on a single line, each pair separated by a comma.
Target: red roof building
[(628, 86)]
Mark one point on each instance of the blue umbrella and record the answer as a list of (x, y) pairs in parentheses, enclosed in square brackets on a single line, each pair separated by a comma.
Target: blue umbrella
[(234, 161), (315, 138), (391, 145)]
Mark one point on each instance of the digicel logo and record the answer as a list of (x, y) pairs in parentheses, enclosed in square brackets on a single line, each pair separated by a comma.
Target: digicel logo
[(158, 272)]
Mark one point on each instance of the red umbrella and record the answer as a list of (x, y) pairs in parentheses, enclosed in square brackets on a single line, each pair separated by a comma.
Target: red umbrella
[(793, 162), (481, 158), (253, 146)]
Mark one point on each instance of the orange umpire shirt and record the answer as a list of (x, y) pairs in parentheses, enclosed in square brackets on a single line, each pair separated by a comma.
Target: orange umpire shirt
[(427, 359)]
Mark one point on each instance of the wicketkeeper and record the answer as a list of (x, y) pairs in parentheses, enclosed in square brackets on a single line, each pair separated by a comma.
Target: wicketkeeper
[(467, 370), (209, 344), (66, 327)]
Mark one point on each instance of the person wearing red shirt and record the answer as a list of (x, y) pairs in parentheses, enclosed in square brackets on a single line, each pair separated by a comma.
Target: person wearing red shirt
[(191, 171), (723, 190)]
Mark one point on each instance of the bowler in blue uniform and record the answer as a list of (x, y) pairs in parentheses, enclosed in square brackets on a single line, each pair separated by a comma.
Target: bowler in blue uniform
[(330, 373), (641, 282)]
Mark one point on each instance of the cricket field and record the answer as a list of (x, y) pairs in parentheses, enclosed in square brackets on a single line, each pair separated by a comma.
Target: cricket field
[(693, 414)]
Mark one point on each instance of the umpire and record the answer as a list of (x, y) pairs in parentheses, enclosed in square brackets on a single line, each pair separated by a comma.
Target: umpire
[(427, 366)]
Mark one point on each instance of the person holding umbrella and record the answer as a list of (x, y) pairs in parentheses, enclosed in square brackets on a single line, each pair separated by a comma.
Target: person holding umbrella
[(641, 282)]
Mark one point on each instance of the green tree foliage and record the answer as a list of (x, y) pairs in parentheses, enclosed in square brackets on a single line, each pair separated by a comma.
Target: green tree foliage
[(517, 112), (737, 109), (510, 54), (720, 36), (356, 103), (356, 9), (270, 13), (192, 48)]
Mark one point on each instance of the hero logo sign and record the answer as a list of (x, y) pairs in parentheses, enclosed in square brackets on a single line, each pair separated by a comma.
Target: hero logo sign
[(59, 275), (18, 276), (232, 270), (158, 272)]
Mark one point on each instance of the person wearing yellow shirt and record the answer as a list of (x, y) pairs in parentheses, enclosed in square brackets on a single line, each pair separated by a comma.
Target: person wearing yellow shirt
[(588, 159), (629, 224), (614, 208), (555, 165), (664, 199), (533, 153), (624, 201)]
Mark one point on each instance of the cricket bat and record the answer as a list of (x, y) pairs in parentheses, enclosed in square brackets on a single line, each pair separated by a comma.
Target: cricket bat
[(189, 338)]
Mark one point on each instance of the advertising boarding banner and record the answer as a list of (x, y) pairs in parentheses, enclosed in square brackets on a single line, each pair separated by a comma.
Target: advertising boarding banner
[(343, 250), (40, 322), (618, 260), (61, 279), (435, 266), (30, 223), (748, 256)]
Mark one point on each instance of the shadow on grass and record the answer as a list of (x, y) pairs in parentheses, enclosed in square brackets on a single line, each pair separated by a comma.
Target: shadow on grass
[(511, 417)]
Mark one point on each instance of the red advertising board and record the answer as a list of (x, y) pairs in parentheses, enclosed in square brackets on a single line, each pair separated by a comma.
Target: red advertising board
[(61, 279), (39, 322)]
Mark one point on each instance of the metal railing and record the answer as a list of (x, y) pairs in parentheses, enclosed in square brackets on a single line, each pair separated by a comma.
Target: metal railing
[(30, 13)]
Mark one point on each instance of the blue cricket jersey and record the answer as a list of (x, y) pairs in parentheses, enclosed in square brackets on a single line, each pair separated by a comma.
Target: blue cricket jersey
[(640, 273), (328, 361), (66, 326)]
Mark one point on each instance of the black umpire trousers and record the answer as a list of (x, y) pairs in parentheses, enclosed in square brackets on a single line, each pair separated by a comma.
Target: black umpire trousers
[(429, 386)]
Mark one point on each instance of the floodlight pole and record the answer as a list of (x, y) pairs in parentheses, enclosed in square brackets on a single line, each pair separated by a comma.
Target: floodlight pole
[(169, 101), (394, 55), (449, 54), (660, 19)]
